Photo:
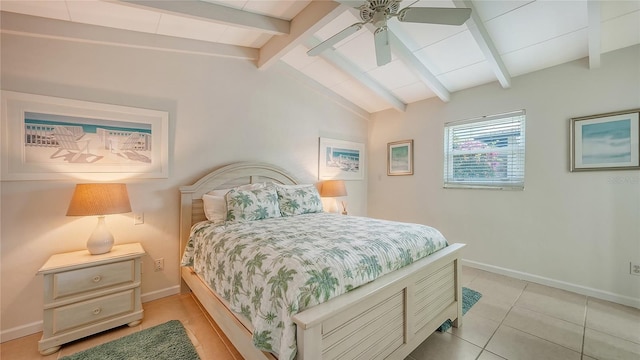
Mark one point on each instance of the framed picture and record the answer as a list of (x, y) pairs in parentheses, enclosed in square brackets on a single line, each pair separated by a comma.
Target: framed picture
[(340, 160), (46, 137), (400, 158), (605, 141)]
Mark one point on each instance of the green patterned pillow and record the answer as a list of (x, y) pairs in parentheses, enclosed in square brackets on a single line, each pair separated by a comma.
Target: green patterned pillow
[(298, 199), (248, 205)]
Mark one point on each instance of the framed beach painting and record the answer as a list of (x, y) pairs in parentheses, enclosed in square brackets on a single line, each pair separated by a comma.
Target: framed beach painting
[(46, 137), (340, 160), (605, 141), (400, 158)]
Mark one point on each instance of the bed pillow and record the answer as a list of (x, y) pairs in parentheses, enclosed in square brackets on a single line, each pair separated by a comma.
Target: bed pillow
[(215, 204), (298, 199), (249, 205)]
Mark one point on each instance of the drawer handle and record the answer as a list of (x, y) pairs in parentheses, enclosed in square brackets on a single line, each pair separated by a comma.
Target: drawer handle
[(97, 278), (96, 311)]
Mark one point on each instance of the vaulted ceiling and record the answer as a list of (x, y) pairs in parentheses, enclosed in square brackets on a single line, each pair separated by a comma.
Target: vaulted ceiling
[(501, 39)]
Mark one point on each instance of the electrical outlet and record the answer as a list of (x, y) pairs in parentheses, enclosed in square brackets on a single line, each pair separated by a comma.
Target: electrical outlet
[(634, 268), (158, 264), (138, 218)]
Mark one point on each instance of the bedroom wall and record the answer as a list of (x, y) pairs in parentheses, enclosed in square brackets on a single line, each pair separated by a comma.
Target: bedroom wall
[(578, 231), (220, 111)]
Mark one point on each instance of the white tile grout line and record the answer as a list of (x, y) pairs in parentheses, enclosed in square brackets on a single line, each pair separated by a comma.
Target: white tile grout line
[(584, 326), (484, 348)]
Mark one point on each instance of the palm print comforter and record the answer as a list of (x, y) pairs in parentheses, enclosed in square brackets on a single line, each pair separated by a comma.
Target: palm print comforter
[(271, 269)]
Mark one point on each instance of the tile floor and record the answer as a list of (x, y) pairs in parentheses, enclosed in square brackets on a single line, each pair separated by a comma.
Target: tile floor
[(514, 320), (519, 320)]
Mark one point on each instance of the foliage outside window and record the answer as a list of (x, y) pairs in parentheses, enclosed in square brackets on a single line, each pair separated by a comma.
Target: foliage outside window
[(485, 153)]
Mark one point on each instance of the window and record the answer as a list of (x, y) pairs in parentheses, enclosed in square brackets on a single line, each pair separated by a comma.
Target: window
[(485, 153)]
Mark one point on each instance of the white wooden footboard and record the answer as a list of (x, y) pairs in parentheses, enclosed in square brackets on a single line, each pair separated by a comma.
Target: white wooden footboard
[(388, 318)]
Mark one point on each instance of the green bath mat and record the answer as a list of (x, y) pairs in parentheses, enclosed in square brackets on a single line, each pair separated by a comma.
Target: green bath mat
[(469, 298), (168, 341)]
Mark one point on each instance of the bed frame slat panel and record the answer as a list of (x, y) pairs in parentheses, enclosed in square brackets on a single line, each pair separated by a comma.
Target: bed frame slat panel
[(361, 328)]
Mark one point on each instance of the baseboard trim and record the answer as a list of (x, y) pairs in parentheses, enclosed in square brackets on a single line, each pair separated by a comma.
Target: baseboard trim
[(20, 331), (154, 295), (579, 289), (34, 327)]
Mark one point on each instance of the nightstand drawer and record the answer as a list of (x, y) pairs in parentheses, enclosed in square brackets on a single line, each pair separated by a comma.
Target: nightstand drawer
[(88, 279), (87, 312)]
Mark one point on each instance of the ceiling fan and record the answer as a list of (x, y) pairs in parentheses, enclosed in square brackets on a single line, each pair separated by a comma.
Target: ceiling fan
[(378, 12)]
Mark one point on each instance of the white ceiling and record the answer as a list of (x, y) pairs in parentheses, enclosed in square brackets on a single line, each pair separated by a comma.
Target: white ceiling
[(502, 39)]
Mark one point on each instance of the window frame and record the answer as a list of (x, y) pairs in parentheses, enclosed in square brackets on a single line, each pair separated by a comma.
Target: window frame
[(514, 126)]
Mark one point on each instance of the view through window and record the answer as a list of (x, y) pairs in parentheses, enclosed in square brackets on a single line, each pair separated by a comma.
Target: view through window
[(487, 152)]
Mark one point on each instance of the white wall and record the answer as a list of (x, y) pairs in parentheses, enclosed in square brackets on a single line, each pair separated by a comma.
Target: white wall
[(220, 111), (574, 230)]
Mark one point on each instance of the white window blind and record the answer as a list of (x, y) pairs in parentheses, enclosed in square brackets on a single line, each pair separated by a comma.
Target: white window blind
[(485, 153)]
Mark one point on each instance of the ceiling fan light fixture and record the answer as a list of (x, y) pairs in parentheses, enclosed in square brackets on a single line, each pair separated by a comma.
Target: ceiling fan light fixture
[(379, 20)]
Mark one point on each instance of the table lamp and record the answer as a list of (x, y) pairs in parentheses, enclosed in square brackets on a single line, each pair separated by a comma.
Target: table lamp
[(101, 200), (334, 188)]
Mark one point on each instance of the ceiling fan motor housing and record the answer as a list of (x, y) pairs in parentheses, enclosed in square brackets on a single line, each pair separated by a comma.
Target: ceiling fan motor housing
[(378, 11)]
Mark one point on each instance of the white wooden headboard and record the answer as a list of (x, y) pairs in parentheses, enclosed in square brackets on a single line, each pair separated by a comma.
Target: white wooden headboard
[(241, 173)]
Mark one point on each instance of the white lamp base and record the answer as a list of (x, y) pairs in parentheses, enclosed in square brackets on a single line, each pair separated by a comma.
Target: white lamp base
[(101, 240)]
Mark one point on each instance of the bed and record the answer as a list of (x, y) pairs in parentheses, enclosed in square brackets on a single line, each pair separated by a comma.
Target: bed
[(384, 318)]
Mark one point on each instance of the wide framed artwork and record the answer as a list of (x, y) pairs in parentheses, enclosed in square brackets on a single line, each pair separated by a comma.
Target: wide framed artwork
[(400, 158), (47, 138), (340, 160), (605, 141)]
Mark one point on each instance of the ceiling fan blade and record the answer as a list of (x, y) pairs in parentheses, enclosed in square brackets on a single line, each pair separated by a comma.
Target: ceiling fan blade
[(334, 39), (383, 51), (444, 16)]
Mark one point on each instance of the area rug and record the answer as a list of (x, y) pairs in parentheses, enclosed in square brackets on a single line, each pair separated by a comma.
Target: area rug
[(168, 341), (469, 298)]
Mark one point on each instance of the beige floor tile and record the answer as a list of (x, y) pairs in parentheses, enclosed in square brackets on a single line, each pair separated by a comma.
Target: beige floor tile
[(476, 329), (554, 302), (469, 274), (487, 355), (585, 357), (497, 287), (445, 346), (490, 309), (614, 319), (514, 344), (605, 347), (546, 327)]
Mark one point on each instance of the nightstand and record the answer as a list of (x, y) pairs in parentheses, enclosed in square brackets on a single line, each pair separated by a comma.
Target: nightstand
[(85, 294)]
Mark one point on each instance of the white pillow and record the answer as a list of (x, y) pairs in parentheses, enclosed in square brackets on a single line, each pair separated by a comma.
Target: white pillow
[(215, 204)]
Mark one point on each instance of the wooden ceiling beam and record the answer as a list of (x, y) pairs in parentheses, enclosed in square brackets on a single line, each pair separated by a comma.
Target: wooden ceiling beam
[(201, 10), (355, 72), (484, 41), (594, 10), (311, 19)]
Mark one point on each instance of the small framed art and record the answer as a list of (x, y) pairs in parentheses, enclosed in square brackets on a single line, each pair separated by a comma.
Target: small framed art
[(340, 160), (400, 158), (605, 141)]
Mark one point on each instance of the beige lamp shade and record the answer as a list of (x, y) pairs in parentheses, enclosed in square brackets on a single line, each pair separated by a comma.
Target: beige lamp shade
[(333, 188), (99, 199)]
